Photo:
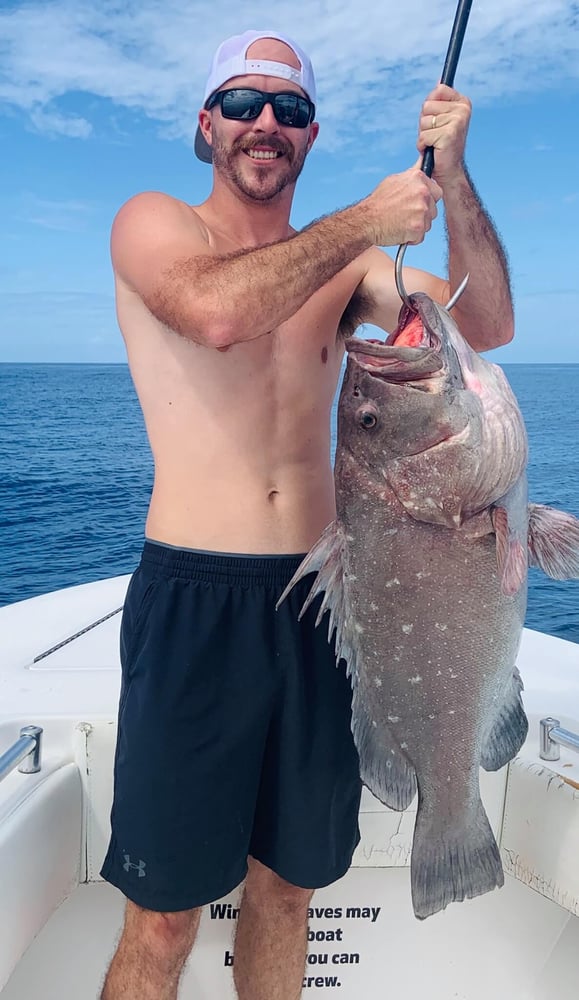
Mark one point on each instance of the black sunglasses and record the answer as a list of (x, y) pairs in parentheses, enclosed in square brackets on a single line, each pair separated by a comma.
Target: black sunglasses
[(242, 104)]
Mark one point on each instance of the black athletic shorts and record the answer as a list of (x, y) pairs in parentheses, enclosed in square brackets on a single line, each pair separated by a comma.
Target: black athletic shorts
[(234, 733)]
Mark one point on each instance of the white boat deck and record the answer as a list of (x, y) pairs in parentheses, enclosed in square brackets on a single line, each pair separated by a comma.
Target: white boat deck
[(59, 920)]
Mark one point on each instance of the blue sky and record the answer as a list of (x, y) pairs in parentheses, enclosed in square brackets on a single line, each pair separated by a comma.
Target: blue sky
[(99, 100)]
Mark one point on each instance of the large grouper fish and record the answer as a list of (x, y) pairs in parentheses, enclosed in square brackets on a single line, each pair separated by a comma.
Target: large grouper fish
[(424, 573)]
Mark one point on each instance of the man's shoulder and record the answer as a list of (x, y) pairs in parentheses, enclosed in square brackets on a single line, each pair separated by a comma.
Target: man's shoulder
[(150, 233), (156, 205), (154, 223)]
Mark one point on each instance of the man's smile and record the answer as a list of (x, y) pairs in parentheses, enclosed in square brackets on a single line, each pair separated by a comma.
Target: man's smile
[(263, 154)]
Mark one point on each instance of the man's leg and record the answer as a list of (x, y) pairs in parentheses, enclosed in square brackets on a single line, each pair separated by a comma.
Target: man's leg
[(271, 940), (151, 954)]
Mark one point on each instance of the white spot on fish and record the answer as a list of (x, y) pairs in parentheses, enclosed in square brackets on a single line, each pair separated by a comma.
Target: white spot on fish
[(404, 746), (439, 673), (422, 574), (358, 628), (374, 606), (407, 629), (441, 628), (431, 716), (448, 777), (378, 682), (393, 582), (349, 538), (393, 718), (451, 711), (415, 680), (374, 724), (453, 676)]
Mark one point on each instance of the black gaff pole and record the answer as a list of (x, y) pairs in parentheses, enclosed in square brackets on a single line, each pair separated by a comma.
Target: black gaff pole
[(449, 68), (427, 166)]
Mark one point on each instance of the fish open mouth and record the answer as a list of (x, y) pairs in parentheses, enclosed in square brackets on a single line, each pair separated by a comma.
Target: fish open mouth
[(411, 352)]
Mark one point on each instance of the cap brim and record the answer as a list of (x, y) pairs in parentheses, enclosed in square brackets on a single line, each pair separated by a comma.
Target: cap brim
[(202, 148)]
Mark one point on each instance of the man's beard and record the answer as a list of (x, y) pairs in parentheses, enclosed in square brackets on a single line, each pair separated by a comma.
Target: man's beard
[(226, 160)]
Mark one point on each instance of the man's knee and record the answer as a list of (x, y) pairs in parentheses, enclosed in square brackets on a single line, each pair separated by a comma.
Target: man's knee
[(167, 937), (264, 888)]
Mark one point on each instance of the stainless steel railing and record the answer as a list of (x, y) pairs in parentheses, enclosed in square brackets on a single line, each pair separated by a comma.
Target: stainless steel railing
[(553, 737), (26, 752)]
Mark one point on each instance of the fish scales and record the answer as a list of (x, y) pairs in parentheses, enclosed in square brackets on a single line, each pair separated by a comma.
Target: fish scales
[(424, 573)]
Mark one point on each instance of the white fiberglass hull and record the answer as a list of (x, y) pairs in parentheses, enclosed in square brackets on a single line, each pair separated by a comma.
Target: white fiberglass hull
[(60, 921)]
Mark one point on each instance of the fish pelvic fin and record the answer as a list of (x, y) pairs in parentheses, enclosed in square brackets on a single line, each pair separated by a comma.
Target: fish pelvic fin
[(511, 556), (383, 767), (554, 542), (509, 730), (463, 863), (509, 518)]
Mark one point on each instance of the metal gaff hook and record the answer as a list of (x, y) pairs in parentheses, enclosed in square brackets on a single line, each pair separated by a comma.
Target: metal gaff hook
[(404, 294), (398, 277), (448, 72), (454, 298)]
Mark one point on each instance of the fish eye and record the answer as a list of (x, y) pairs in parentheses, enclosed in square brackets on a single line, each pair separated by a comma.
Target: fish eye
[(368, 419)]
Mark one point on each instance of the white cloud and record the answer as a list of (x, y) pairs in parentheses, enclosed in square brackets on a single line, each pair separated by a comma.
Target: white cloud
[(54, 123), (373, 64), (63, 216)]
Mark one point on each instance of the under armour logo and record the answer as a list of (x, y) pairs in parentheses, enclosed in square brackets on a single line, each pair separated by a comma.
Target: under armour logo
[(140, 867)]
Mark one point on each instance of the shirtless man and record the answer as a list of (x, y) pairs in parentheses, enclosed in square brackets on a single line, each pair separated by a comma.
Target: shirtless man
[(234, 756)]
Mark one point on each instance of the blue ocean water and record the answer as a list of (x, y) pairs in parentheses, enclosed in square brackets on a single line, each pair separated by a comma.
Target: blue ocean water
[(76, 475)]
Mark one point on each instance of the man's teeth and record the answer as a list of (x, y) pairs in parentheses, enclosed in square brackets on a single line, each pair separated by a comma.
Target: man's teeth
[(258, 154)]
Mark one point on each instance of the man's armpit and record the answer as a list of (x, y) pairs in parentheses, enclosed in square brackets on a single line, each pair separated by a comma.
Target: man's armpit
[(357, 312)]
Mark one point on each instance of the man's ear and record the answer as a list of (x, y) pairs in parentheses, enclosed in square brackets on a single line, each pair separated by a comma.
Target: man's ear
[(205, 125), (314, 129)]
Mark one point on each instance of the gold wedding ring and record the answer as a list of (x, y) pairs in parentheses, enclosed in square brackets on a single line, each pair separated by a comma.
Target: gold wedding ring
[(433, 121)]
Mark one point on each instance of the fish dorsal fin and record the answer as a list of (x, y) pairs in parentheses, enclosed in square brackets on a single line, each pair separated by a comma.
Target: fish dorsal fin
[(383, 766), (327, 558), (509, 729), (554, 542)]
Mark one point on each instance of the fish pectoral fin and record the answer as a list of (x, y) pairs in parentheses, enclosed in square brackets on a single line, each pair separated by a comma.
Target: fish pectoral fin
[(511, 554), (509, 729), (554, 542), (384, 769)]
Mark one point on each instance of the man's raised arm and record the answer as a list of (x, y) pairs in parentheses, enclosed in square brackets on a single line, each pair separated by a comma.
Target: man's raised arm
[(160, 249)]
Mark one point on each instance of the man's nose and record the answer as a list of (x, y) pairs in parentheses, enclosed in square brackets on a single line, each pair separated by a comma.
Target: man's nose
[(266, 120)]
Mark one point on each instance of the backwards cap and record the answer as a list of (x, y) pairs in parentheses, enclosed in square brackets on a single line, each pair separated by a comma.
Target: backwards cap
[(231, 60)]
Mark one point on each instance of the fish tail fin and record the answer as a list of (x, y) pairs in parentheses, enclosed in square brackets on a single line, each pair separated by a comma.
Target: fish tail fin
[(464, 863)]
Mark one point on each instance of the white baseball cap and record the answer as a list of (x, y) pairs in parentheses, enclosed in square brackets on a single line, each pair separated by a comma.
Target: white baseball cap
[(231, 60)]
